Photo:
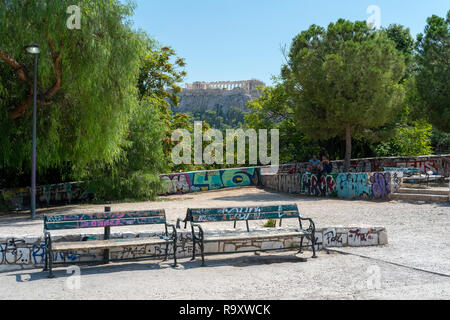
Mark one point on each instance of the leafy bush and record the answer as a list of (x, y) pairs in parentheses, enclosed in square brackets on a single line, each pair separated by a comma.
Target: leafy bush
[(409, 141), (139, 186), (272, 223)]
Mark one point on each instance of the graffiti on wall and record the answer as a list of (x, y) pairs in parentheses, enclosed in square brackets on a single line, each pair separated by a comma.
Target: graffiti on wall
[(311, 185), (353, 185), (436, 164), (180, 183), (48, 195), (374, 185)]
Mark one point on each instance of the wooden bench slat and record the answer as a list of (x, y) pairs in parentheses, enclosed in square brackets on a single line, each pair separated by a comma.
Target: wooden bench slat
[(243, 213), (65, 225), (103, 216), (245, 216), (105, 244), (105, 220), (243, 210), (251, 236)]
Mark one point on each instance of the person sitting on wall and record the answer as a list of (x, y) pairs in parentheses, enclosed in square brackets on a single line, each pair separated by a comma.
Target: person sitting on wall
[(314, 165), (324, 169)]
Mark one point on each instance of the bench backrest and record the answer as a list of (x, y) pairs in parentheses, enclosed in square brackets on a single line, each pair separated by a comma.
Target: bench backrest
[(103, 219), (407, 170), (243, 213)]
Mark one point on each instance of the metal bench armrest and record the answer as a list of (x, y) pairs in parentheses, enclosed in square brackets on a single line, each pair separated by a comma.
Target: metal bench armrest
[(174, 228), (312, 226), (200, 231), (179, 220), (47, 240)]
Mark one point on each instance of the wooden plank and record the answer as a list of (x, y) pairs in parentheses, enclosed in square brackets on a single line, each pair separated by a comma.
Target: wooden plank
[(243, 213), (106, 244), (245, 217), (252, 236), (103, 216), (243, 210), (67, 225)]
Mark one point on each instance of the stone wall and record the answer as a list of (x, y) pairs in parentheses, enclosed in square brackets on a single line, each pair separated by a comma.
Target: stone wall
[(47, 195), (186, 182), (373, 185), (439, 164), (30, 251), (291, 178)]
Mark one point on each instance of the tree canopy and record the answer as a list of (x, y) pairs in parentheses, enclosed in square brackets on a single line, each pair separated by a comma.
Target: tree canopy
[(86, 81), (344, 80), (433, 78)]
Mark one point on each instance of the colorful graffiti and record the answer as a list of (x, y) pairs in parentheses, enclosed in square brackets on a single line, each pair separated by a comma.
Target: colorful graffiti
[(366, 178), (439, 164), (353, 185), (381, 185), (311, 185), (375, 185), (47, 195), (181, 183)]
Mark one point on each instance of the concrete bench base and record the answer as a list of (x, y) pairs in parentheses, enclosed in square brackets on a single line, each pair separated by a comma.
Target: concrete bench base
[(29, 252)]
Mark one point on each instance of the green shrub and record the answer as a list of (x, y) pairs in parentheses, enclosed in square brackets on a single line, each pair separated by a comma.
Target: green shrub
[(139, 186), (272, 223)]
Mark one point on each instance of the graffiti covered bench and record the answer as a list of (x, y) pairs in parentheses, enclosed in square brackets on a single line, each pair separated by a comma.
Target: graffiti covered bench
[(106, 220), (198, 216)]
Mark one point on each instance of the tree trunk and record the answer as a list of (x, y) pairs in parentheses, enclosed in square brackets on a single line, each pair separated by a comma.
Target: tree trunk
[(348, 148)]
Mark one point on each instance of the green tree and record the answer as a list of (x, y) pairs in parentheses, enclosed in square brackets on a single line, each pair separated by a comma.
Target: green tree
[(86, 85), (272, 110), (404, 42), (440, 142), (433, 78), (344, 81), (146, 154), (409, 140)]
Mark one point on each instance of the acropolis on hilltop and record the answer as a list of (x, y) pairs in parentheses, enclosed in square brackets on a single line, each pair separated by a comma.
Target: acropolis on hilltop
[(248, 85)]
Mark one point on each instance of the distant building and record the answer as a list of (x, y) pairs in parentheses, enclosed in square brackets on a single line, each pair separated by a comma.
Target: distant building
[(247, 85), (220, 94)]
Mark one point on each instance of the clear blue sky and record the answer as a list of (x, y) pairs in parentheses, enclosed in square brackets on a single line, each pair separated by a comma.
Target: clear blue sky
[(241, 39)]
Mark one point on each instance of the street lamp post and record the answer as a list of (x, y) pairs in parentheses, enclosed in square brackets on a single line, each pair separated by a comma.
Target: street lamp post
[(34, 50)]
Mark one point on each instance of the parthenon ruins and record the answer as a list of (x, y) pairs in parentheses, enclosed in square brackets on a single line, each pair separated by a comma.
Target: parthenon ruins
[(248, 85)]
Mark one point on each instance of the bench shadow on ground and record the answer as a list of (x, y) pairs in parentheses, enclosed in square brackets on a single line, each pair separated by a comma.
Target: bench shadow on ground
[(63, 272)]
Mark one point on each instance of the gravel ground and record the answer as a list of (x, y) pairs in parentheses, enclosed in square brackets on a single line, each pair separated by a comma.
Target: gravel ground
[(415, 264)]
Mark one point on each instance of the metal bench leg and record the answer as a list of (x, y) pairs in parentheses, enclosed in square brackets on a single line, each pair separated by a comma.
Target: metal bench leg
[(301, 245), (174, 254), (202, 248), (193, 250), (46, 252), (50, 273), (167, 252), (313, 244), (46, 260)]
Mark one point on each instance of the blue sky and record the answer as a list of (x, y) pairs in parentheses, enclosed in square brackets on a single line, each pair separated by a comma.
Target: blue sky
[(241, 39)]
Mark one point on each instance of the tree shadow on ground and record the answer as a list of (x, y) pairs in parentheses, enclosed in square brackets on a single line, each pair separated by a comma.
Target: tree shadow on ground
[(19, 216), (269, 196)]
